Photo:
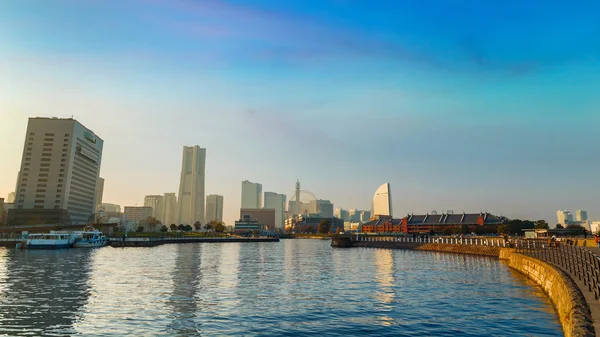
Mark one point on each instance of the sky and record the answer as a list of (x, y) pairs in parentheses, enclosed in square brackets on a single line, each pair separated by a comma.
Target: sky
[(460, 105)]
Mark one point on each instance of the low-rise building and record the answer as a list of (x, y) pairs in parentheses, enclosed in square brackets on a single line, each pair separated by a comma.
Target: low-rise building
[(265, 216), (246, 224), (137, 213), (310, 223)]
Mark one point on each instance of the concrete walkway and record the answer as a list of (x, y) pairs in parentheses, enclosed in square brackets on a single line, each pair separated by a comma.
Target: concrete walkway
[(593, 303)]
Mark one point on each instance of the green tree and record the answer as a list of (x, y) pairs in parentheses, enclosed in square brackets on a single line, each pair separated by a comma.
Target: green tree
[(502, 229), (197, 225), (208, 227), (188, 228), (541, 224), (139, 228), (219, 228), (324, 226), (559, 226), (181, 227), (577, 228), (164, 229), (464, 229), (173, 227)]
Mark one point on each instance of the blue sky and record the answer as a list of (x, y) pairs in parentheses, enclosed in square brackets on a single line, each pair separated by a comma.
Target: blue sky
[(463, 105)]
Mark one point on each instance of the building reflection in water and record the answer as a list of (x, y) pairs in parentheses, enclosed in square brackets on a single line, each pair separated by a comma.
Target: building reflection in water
[(183, 301), (43, 292), (385, 294)]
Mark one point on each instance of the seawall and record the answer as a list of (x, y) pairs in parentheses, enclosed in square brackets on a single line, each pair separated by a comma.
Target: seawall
[(569, 302)]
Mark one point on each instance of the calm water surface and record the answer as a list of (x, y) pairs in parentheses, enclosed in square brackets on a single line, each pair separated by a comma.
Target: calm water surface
[(291, 288)]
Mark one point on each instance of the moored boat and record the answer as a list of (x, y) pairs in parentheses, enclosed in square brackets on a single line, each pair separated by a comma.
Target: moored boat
[(90, 238), (52, 240)]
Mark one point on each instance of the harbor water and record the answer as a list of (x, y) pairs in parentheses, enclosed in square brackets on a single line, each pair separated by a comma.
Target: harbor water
[(288, 288)]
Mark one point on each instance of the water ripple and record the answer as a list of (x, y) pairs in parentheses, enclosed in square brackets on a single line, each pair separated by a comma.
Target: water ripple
[(291, 288)]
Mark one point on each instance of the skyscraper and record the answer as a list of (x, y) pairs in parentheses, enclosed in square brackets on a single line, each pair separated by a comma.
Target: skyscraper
[(382, 200), (60, 168), (564, 217), (191, 187), (581, 215), (251, 195), (341, 213), (11, 197), (214, 208), (157, 202), (277, 202), (99, 192), (170, 215)]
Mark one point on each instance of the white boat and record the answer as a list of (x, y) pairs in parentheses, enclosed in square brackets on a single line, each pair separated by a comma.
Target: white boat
[(90, 238), (53, 240)]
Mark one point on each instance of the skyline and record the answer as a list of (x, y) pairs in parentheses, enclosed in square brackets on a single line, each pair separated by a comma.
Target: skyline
[(458, 107)]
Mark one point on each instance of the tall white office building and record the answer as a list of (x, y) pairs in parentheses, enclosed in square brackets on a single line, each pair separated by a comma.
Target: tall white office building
[(157, 202), (581, 215), (60, 169), (564, 217), (251, 195), (170, 215), (277, 202), (382, 201), (214, 208), (191, 186)]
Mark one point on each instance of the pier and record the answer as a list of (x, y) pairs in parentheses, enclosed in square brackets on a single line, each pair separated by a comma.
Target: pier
[(151, 242)]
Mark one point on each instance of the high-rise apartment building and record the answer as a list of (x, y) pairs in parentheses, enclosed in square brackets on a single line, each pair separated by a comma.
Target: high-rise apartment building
[(214, 208), (564, 217), (251, 195), (157, 202), (581, 215), (170, 215), (277, 202), (191, 187), (322, 207), (99, 192), (341, 213), (60, 168), (382, 200), (11, 198), (365, 216)]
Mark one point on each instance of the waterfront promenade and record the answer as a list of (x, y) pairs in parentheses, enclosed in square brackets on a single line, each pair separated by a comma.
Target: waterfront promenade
[(569, 274)]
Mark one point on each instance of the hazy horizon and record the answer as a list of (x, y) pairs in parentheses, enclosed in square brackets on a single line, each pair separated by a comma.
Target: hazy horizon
[(467, 106)]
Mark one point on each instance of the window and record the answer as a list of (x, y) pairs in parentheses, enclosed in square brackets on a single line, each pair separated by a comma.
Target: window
[(50, 134), (62, 170), (46, 149), (67, 135), (44, 169), (24, 179), (40, 195), (38, 206), (23, 185), (62, 165), (28, 149), (26, 169), (65, 145), (59, 185), (42, 180), (60, 180), (20, 207), (39, 201), (32, 133), (49, 139), (41, 185), (28, 154), (63, 160), (46, 159), (21, 200), (46, 154), (58, 191), (57, 202), (44, 164), (61, 175), (26, 164), (56, 207), (57, 196), (43, 174), (64, 150), (41, 190), (47, 144), (25, 174), (30, 143), (64, 155), (22, 196), (27, 159)]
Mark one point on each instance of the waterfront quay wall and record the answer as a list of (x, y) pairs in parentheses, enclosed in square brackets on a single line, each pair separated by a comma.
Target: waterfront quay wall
[(151, 242), (569, 302)]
